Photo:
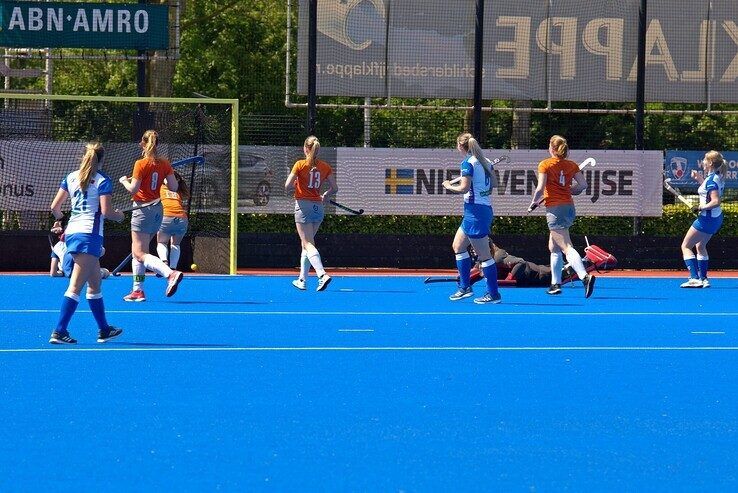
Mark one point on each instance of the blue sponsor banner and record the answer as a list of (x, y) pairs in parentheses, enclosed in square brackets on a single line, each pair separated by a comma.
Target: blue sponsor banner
[(678, 165)]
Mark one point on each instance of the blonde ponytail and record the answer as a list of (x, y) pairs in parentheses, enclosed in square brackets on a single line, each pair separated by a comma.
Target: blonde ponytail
[(90, 163), (150, 140), (559, 146), (312, 146), (471, 146)]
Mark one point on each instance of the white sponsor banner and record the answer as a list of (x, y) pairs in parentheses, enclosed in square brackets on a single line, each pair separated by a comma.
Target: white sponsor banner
[(380, 181), (408, 181), (31, 171)]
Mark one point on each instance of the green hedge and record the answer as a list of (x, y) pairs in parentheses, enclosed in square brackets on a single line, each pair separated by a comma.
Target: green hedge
[(675, 222)]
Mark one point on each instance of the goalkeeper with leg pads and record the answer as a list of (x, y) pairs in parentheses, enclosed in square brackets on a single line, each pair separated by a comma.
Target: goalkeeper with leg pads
[(516, 271)]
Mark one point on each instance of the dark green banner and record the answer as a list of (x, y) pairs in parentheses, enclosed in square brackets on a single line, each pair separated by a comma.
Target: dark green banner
[(84, 25)]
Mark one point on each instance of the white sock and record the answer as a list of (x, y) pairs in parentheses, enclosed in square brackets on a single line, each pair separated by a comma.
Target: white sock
[(70, 294), (557, 264), (174, 256), (139, 273), (162, 251), (304, 265), (155, 264), (575, 260), (317, 263)]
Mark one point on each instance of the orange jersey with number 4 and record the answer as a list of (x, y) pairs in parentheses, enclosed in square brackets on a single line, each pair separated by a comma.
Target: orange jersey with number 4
[(559, 173), (151, 173), (309, 180), (172, 203)]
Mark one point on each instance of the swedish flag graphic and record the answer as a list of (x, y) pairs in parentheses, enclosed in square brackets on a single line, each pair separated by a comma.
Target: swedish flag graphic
[(399, 181)]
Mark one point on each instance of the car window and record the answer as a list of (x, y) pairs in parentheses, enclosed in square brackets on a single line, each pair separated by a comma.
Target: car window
[(247, 160)]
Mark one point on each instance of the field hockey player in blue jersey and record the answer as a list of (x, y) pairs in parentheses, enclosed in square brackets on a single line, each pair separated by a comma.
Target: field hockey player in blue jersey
[(89, 190), (476, 183), (709, 219)]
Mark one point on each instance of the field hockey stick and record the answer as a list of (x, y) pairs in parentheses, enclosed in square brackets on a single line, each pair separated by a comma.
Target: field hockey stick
[(434, 279), (347, 209), (116, 272), (195, 160), (675, 191), (495, 161), (51, 237), (590, 161)]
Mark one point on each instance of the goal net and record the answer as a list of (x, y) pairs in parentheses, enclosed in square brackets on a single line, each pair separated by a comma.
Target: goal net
[(42, 139)]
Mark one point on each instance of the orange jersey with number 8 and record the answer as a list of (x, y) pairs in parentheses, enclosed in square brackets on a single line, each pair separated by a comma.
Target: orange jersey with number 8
[(309, 180), (151, 173)]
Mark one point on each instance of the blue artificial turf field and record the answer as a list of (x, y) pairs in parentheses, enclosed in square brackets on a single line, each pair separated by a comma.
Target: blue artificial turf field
[(379, 383)]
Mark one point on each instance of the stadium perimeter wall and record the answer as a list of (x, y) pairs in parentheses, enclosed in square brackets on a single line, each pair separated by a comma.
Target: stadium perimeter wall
[(29, 250)]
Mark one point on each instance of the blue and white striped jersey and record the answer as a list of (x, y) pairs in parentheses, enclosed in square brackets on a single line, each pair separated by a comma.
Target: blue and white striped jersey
[(86, 216), (481, 185), (712, 182)]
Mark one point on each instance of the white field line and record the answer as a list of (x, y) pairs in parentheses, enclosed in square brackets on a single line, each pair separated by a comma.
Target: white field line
[(480, 313), (372, 349)]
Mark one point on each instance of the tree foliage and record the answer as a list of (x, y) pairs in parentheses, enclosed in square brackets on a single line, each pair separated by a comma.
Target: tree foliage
[(237, 48)]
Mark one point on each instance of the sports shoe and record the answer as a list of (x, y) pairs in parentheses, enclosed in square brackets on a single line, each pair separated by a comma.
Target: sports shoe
[(488, 298), (174, 279), (589, 285), (104, 273), (554, 289), (299, 284), (135, 295), (692, 283), (109, 333), (705, 283), (461, 294), (323, 282), (61, 338)]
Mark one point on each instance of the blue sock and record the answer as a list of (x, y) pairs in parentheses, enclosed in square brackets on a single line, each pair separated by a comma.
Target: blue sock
[(69, 305), (702, 267), (464, 265), (691, 264), (490, 275), (98, 310)]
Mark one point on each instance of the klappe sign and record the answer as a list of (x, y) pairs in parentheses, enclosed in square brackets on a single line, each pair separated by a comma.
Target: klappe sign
[(532, 50)]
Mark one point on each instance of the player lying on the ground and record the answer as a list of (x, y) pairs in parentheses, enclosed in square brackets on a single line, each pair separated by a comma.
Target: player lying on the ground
[(516, 271), (62, 262)]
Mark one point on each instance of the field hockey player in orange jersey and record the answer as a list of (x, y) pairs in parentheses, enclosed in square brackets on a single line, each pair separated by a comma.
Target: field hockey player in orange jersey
[(555, 186), (174, 225), (306, 178), (149, 173)]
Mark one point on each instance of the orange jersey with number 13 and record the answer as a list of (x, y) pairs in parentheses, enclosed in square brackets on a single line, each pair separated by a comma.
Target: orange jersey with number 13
[(172, 203), (309, 180)]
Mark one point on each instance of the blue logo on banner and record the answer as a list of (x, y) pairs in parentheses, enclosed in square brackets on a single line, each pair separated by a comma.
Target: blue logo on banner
[(678, 165)]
